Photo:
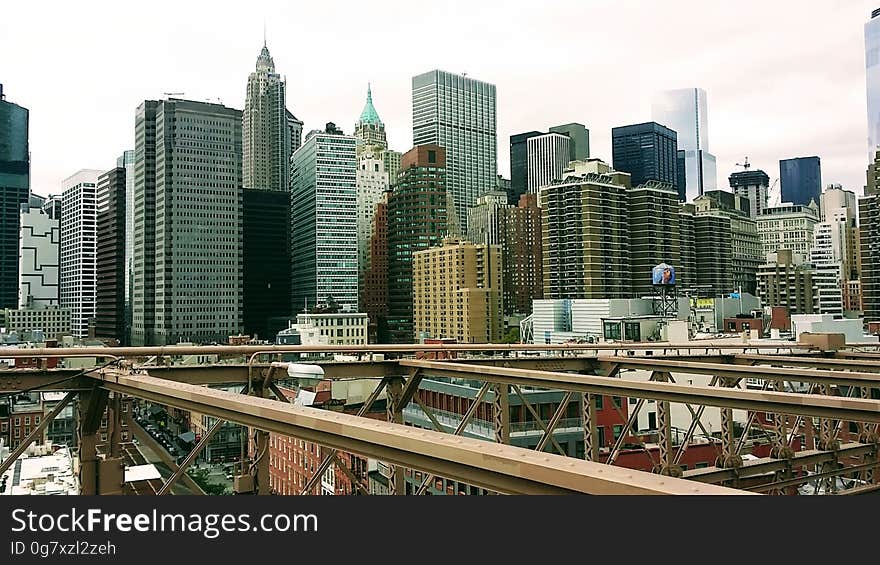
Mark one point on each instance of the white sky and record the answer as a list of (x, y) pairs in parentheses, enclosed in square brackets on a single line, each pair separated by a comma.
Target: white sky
[(784, 78)]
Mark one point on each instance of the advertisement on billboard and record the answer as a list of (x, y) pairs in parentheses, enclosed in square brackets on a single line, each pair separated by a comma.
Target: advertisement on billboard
[(663, 274)]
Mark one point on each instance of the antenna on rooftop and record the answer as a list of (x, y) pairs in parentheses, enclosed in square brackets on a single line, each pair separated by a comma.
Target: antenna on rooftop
[(745, 165)]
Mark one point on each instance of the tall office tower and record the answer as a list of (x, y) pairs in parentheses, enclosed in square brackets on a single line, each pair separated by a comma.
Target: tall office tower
[(38, 256), (580, 140), (126, 161), (77, 269), (372, 178), (418, 218), (391, 159), (746, 250), (268, 129), (827, 265), (785, 280), (143, 279), (654, 233), (838, 207), (110, 256), (15, 184), (647, 152), (323, 210), (685, 111), (755, 186), (872, 81), (458, 114), (295, 129), (521, 260), (548, 156), (266, 261), (686, 273), (519, 165), (585, 234), (486, 219), (800, 180), (457, 292), (836, 200), (374, 294), (788, 227), (188, 234), (869, 241)]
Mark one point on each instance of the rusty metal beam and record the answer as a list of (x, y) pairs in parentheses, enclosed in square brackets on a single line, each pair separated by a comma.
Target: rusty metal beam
[(854, 409), (501, 468), (807, 361), (203, 442), (748, 371), (145, 438)]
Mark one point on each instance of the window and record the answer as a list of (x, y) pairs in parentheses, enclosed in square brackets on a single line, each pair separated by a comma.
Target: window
[(632, 331), (600, 401), (618, 429), (612, 330)]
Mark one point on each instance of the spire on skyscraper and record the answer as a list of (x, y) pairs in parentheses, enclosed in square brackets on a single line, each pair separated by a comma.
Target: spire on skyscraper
[(264, 61), (369, 115)]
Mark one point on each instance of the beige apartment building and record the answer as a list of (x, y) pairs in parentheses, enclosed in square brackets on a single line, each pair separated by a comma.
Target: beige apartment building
[(457, 292)]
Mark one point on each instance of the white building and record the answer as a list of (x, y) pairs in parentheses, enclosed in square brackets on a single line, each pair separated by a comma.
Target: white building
[(42, 471), (373, 179), (39, 244), (686, 112), (852, 328), (789, 226), (548, 156), (324, 230), (872, 81), (77, 273), (486, 219), (458, 113), (337, 329)]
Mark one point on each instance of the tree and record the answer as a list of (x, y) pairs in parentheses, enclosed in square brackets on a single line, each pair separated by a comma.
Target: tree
[(200, 476), (512, 335)]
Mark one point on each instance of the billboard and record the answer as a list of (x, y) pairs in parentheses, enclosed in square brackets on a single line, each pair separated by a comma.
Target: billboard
[(663, 275)]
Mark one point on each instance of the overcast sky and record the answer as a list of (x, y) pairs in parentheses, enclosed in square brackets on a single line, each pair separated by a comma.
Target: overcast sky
[(784, 78)]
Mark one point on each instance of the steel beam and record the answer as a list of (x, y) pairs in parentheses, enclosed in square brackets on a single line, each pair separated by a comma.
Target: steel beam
[(203, 442), (554, 421), (145, 438), (854, 409), (536, 417), (497, 467), (807, 362)]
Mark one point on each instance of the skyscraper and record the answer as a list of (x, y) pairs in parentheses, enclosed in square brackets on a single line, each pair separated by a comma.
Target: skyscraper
[(126, 161), (521, 260), (580, 140), (15, 184), (269, 131), (647, 152), (418, 218), (110, 256), (754, 185), (872, 81), (324, 247), (869, 233), (549, 155), (800, 180), (685, 111), (372, 178), (519, 165), (746, 251), (40, 244), (188, 233), (458, 113), (78, 274), (653, 232)]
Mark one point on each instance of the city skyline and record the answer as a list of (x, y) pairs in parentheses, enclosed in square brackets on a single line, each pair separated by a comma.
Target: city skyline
[(773, 91)]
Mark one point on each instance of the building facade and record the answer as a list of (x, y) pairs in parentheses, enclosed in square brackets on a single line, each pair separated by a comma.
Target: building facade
[(746, 249), (110, 256), (685, 111), (800, 180), (579, 136), (188, 233), (418, 218), (39, 246), (521, 256), (647, 152), (826, 259), (374, 292), (654, 235), (753, 185), (548, 155), (344, 328), (323, 210), (789, 226), (15, 184), (266, 259), (78, 256), (126, 161), (486, 219), (585, 234), (785, 280), (457, 292), (519, 165), (872, 81), (458, 113)]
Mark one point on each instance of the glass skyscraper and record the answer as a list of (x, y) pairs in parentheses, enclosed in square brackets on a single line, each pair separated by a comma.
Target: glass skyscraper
[(458, 113), (646, 151), (685, 111), (872, 81), (800, 180), (15, 168), (324, 247)]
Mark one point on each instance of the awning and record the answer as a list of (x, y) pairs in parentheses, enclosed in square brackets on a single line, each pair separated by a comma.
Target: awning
[(187, 437)]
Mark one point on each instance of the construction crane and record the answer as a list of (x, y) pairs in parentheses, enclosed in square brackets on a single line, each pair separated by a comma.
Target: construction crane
[(745, 165)]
